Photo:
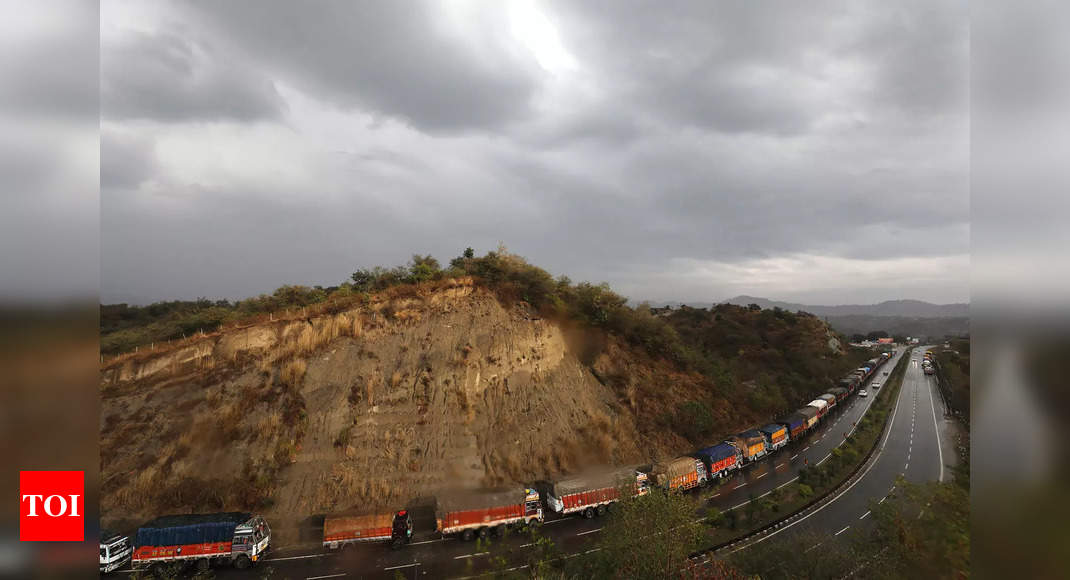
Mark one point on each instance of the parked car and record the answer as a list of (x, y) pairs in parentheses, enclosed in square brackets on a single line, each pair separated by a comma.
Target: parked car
[(862, 393)]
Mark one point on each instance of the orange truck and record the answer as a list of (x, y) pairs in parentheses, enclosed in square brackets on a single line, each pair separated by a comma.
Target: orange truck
[(345, 530), (751, 444), (776, 436), (681, 473)]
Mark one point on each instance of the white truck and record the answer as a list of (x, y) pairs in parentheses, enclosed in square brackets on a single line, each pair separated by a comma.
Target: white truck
[(115, 551)]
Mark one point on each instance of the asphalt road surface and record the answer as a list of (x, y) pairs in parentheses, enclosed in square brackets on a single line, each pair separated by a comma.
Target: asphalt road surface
[(910, 448)]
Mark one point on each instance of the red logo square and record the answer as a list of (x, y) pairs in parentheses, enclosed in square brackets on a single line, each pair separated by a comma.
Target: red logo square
[(51, 506)]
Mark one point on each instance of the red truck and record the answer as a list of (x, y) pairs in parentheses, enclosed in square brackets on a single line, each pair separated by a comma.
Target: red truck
[(342, 530), (234, 538), (478, 513), (592, 493)]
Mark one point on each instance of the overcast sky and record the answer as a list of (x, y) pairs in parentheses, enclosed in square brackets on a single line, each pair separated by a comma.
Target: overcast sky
[(797, 151)]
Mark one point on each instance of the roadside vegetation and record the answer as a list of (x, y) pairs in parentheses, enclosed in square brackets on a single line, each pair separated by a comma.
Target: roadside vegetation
[(953, 371)]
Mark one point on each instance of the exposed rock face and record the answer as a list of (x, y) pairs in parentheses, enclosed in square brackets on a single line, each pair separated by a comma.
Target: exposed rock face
[(373, 407)]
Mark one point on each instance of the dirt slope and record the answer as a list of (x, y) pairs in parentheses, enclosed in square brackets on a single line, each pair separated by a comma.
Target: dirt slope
[(369, 407)]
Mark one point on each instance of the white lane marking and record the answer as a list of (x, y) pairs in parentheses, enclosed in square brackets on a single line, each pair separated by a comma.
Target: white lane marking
[(294, 558), (402, 566), (812, 547), (431, 541), (471, 555), (824, 458), (936, 426), (865, 514), (589, 532), (882, 499), (794, 456), (716, 494), (553, 522), (762, 475), (741, 485), (842, 531), (320, 577), (793, 480), (526, 545)]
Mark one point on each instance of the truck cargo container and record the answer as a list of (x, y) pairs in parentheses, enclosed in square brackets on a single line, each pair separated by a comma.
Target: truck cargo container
[(796, 424), (848, 385), (115, 551), (751, 444), (811, 414), (721, 459), (344, 530), (471, 513), (830, 399), (592, 493), (821, 405), (681, 473), (776, 436), (236, 538), (839, 392)]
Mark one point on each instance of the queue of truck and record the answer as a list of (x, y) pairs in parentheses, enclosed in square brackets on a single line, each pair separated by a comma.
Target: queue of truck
[(242, 539), (706, 465)]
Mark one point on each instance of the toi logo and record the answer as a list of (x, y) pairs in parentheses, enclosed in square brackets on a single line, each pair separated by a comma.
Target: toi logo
[(51, 506)]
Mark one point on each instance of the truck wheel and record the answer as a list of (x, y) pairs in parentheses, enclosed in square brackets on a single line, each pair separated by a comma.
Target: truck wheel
[(242, 562), (588, 513), (601, 510), (468, 535), (203, 564), (483, 533)]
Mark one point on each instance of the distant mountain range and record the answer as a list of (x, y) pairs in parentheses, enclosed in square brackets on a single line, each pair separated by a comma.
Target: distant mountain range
[(908, 308), (898, 317)]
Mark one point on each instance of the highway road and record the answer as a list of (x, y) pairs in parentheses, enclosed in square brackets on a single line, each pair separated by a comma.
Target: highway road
[(432, 556), (918, 446)]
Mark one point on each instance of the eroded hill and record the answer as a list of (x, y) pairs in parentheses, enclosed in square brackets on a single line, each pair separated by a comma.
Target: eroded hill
[(418, 388)]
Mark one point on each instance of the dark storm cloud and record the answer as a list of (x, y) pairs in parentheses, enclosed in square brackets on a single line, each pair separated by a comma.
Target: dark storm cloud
[(170, 78), (677, 153), (390, 57)]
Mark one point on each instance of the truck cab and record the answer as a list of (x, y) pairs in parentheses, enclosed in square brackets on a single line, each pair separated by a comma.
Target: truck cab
[(533, 506), (115, 551), (401, 533), (251, 542)]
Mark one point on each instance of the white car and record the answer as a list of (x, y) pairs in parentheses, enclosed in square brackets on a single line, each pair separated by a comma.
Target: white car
[(875, 385), (862, 393)]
